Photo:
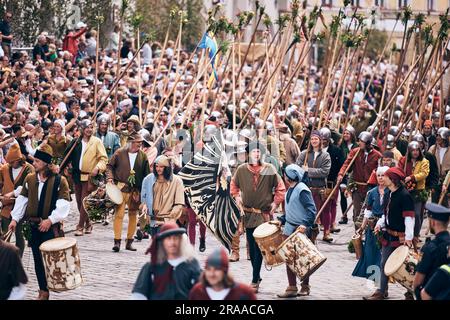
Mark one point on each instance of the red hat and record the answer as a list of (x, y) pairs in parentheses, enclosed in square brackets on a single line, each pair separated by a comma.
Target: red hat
[(218, 259), (372, 178), (427, 123), (395, 174), (166, 230)]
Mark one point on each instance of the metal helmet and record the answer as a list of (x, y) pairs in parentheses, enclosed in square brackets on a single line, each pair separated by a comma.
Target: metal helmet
[(413, 145), (351, 130), (104, 118), (418, 137), (390, 144), (365, 137), (397, 114), (393, 130), (443, 132), (373, 130), (247, 133), (325, 133), (447, 109), (447, 117), (436, 115)]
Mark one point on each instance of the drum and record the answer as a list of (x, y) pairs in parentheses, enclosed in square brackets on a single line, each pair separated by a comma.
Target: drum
[(357, 244), (301, 255), (268, 237), (114, 193), (62, 264), (401, 266)]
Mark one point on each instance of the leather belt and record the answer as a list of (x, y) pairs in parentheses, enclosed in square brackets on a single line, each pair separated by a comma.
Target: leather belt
[(395, 233), (35, 219), (254, 210)]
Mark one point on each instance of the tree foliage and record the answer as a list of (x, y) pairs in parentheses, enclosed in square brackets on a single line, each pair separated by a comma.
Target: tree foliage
[(156, 14), (31, 17)]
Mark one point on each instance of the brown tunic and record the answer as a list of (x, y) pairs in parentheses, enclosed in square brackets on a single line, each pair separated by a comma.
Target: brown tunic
[(259, 198), (168, 198), (31, 189), (8, 185)]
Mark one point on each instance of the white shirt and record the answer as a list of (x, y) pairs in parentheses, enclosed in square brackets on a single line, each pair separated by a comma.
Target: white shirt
[(83, 149), (18, 293), (147, 54), (132, 157), (175, 262), (442, 152), (60, 213), (217, 295), (15, 172)]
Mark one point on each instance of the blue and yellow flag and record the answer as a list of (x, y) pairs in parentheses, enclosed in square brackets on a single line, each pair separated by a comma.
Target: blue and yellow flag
[(209, 42)]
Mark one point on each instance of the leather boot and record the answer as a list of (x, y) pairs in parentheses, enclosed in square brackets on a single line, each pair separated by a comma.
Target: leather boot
[(43, 295), (235, 249), (377, 295), (304, 291), (129, 245), (116, 247), (248, 252), (202, 246), (343, 220), (291, 292), (327, 238), (139, 235), (409, 296)]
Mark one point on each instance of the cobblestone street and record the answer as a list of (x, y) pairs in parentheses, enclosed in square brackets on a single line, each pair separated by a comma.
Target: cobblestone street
[(108, 275)]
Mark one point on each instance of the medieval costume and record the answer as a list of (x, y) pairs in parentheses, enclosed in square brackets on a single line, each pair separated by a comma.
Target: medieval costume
[(12, 176), (88, 155), (397, 224), (300, 211), (230, 290), (110, 139), (318, 163), (163, 278), (261, 190), (377, 199), (127, 169), (44, 201)]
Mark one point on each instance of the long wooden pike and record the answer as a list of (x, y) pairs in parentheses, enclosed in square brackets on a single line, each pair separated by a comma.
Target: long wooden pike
[(116, 82), (380, 58), (158, 69), (175, 110)]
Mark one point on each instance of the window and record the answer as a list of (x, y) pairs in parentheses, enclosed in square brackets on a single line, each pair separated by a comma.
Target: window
[(355, 3), (403, 3), (328, 3), (379, 3), (430, 5)]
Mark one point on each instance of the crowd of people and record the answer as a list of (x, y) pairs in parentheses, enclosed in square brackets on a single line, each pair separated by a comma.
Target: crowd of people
[(64, 131)]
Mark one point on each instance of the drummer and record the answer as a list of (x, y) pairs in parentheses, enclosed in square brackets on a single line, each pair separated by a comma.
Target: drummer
[(300, 213), (42, 208), (435, 251), (396, 225), (253, 186)]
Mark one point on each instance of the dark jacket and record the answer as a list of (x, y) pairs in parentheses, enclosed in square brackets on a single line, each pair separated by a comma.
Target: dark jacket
[(163, 282), (337, 160), (433, 177)]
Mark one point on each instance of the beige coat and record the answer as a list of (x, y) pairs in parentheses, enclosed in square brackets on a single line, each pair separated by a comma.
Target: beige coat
[(443, 167), (94, 156)]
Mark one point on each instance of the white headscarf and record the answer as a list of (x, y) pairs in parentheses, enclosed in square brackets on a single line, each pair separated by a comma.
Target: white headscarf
[(63, 125), (382, 170)]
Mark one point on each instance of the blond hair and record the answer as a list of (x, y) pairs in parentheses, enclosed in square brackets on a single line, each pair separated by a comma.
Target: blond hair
[(186, 250)]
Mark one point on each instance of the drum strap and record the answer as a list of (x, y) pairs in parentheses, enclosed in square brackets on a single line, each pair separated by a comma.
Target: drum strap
[(57, 227)]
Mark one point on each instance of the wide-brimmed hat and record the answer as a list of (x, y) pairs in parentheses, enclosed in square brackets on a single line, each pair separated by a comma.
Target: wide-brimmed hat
[(135, 137)]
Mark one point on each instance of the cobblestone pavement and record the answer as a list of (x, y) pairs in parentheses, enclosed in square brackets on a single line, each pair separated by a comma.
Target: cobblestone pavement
[(108, 275)]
